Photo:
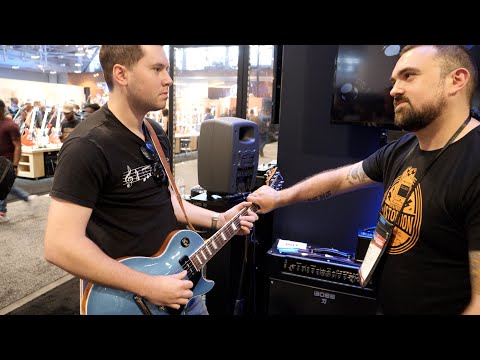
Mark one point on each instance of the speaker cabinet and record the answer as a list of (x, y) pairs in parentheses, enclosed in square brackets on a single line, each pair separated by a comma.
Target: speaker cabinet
[(294, 298), (228, 155), (303, 284)]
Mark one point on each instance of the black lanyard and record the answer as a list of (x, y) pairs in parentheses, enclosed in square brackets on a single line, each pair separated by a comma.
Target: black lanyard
[(452, 139)]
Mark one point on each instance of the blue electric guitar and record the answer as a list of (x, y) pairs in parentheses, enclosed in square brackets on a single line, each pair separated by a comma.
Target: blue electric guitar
[(182, 250)]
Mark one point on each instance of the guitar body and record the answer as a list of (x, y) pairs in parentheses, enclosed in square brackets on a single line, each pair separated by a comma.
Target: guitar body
[(43, 140), (183, 249), (54, 136), (101, 300), (28, 138), (41, 134)]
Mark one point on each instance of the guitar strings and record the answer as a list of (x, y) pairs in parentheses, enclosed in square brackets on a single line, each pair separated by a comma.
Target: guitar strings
[(197, 265), (215, 237)]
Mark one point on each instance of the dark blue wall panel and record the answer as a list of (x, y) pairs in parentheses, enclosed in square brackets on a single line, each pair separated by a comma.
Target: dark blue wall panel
[(308, 143)]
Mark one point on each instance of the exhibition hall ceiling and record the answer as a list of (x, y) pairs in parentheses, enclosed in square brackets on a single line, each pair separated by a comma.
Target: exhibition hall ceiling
[(50, 58)]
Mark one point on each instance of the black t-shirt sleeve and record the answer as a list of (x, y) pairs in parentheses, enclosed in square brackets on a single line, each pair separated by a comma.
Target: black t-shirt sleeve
[(472, 218), (373, 165), (81, 172), (382, 162)]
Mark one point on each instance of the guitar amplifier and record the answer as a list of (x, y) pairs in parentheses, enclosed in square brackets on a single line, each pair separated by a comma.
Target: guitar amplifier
[(303, 284)]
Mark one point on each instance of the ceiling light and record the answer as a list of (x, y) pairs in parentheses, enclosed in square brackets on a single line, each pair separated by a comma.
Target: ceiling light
[(77, 71), (35, 57), (78, 64), (15, 67), (53, 72)]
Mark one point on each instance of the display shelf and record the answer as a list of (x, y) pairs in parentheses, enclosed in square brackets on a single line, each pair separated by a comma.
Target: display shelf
[(32, 161)]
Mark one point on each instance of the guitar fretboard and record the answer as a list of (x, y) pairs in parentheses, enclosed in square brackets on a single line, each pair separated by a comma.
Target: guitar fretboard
[(218, 240)]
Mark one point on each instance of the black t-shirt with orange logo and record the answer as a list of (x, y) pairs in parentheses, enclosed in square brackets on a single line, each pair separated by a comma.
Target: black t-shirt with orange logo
[(426, 267), (101, 166)]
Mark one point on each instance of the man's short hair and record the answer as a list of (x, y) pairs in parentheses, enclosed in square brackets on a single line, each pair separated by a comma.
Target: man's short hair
[(126, 55)]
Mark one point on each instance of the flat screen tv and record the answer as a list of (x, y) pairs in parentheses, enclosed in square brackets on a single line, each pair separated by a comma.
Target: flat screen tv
[(362, 84)]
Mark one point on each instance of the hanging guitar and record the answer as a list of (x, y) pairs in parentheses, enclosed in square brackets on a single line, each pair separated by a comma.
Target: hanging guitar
[(42, 137), (28, 138), (182, 250), (56, 132), (19, 111)]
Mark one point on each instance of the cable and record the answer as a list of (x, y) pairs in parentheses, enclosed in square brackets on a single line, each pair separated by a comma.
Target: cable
[(239, 308), (253, 275)]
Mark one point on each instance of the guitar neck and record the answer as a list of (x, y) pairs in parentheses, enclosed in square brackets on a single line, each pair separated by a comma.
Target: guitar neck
[(57, 120), (33, 119), (218, 240), (44, 120)]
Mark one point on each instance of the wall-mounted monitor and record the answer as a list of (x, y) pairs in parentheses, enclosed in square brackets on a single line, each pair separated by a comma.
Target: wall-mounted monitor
[(475, 52), (362, 84)]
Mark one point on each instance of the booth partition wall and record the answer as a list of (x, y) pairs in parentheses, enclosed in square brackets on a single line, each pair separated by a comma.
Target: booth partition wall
[(214, 81)]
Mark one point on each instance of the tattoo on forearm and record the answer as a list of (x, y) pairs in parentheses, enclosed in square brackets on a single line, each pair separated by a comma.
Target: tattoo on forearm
[(321, 196), (475, 271), (356, 175)]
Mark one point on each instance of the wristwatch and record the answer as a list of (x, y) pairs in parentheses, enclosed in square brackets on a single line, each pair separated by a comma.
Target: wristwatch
[(214, 220)]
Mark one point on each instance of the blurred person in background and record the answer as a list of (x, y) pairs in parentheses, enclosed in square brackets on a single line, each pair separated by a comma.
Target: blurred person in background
[(11, 148)]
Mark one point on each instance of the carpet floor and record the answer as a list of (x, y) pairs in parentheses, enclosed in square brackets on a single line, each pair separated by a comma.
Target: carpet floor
[(23, 269), (63, 300)]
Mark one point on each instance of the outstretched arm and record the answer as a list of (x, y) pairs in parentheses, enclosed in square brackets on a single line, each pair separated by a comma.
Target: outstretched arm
[(201, 217), (474, 307), (318, 187)]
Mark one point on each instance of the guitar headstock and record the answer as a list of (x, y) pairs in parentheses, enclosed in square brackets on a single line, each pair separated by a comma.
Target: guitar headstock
[(274, 179)]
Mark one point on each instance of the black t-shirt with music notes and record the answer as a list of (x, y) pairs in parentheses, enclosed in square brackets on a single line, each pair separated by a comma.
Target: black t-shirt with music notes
[(101, 166)]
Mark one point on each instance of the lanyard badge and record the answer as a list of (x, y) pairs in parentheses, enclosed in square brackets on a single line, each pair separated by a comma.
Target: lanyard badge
[(376, 248)]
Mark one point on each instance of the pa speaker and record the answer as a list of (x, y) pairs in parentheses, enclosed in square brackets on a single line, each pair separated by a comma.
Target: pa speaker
[(228, 155)]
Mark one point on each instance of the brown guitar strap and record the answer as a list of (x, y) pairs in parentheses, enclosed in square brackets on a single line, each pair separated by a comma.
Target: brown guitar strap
[(160, 152)]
